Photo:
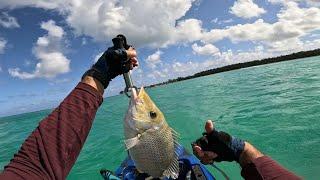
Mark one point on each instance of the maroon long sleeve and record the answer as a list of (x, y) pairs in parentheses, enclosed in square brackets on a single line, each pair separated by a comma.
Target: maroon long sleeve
[(265, 168), (53, 147)]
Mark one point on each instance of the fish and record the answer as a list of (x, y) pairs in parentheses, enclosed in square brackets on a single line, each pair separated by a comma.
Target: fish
[(150, 141)]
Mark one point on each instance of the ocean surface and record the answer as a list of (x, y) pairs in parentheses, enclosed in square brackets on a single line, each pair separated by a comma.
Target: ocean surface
[(276, 107)]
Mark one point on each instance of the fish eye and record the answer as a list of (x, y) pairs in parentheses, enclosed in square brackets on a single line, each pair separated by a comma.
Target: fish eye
[(153, 114)]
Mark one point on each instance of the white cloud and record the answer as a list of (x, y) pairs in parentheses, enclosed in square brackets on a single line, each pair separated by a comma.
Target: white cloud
[(246, 9), (43, 41), (259, 30), (104, 19), (157, 74), (187, 31), (172, 70), (226, 21), (84, 41), (293, 23), (8, 21), (313, 2), (287, 46), (220, 22), (207, 49), (281, 1), (228, 57), (186, 68), (1, 69), (27, 63), (293, 45), (3, 44), (96, 58), (197, 2), (16, 72), (308, 2), (48, 4), (313, 44), (151, 24), (181, 69), (154, 59), (215, 20), (303, 19), (53, 29), (47, 50)]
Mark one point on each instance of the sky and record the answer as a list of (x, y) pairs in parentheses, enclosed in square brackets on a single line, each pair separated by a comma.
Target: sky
[(46, 45)]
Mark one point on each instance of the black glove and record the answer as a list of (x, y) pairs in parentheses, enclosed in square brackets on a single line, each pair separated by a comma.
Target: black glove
[(112, 63), (228, 148)]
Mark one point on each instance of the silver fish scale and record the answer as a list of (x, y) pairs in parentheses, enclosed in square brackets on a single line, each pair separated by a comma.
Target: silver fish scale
[(155, 152)]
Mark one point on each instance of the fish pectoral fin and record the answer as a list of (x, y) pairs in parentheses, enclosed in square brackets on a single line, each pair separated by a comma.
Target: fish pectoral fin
[(173, 169), (130, 143)]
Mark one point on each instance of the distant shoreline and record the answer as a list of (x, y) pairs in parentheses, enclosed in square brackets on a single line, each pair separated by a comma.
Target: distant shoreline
[(293, 56)]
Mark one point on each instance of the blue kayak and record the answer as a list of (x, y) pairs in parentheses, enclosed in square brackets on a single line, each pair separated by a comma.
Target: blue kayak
[(190, 168)]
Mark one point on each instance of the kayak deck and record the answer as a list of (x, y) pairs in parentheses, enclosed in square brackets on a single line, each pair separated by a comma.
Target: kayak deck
[(190, 168)]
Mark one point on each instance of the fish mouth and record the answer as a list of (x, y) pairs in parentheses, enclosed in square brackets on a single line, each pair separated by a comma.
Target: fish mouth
[(135, 102), (134, 93)]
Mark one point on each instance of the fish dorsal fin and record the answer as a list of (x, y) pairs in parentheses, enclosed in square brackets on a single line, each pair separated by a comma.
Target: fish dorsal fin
[(173, 169)]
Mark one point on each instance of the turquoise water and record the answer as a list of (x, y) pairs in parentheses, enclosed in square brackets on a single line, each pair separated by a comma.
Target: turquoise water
[(276, 107)]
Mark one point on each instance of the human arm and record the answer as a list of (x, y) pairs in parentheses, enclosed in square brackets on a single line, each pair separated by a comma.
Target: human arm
[(52, 148), (254, 164)]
